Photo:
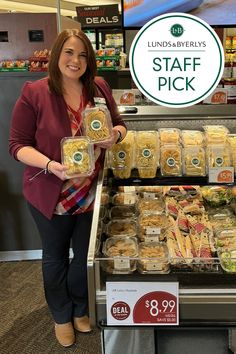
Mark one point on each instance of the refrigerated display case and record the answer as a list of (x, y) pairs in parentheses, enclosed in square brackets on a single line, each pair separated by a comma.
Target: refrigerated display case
[(207, 294), (106, 38)]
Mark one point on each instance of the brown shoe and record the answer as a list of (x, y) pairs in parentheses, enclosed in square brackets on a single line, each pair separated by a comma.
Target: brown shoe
[(82, 324), (65, 334)]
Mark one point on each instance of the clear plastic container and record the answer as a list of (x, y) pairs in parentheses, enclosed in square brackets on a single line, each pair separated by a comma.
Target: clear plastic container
[(169, 136), (171, 160), (97, 124), (153, 205), (123, 198), (194, 161), (153, 258), (192, 137), (215, 134), (218, 156), (121, 227), (123, 212), (152, 226), (228, 260), (226, 239), (216, 195), (120, 250), (77, 153), (121, 156), (147, 153)]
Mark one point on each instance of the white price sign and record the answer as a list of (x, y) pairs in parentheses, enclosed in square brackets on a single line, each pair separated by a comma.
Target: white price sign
[(142, 303), (221, 175)]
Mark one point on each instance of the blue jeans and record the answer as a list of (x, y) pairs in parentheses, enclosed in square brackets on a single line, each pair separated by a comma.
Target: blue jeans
[(65, 281)]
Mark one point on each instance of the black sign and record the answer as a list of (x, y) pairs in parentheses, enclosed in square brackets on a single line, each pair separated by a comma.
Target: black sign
[(99, 16)]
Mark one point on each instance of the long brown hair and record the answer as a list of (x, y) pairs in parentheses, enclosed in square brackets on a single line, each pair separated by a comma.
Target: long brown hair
[(55, 77)]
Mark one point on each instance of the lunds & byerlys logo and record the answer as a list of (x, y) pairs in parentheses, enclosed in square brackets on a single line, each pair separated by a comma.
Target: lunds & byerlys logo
[(176, 60)]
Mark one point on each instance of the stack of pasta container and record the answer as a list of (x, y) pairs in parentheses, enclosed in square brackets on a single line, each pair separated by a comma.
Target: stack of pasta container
[(194, 159), (217, 149)]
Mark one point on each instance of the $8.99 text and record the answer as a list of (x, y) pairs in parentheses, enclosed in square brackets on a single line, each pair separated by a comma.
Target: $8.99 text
[(165, 305)]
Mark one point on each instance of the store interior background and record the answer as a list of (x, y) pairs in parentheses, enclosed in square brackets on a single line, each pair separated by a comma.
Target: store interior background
[(18, 235)]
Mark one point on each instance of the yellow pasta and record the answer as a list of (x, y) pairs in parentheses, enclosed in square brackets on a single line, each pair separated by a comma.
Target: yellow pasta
[(76, 155), (97, 124)]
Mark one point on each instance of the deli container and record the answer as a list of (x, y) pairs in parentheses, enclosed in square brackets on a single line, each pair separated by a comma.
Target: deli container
[(97, 125), (171, 160), (194, 161), (215, 134), (228, 260), (192, 138), (121, 227), (147, 153), (153, 205), (123, 198), (123, 212), (153, 258), (152, 227), (120, 250), (77, 153), (226, 239)]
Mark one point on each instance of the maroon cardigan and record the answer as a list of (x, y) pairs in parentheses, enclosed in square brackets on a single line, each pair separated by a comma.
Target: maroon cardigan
[(40, 119)]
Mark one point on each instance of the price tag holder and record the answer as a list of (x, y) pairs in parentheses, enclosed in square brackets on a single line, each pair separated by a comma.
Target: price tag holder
[(142, 303), (221, 175)]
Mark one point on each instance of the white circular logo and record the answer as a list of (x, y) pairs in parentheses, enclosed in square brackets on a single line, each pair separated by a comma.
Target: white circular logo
[(176, 60)]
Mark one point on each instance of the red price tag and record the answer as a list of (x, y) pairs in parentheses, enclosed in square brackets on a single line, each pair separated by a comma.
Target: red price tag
[(158, 307)]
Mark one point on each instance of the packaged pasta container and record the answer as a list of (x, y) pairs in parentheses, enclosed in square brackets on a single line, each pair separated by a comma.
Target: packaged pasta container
[(147, 153), (152, 226), (231, 139), (215, 134), (192, 137), (194, 161), (97, 124), (153, 205), (120, 251), (169, 136), (121, 156), (153, 258), (77, 154), (218, 156), (171, 160), (121, 227)]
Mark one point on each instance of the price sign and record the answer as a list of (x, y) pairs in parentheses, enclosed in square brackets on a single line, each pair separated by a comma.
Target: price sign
[(142, 303), (221, 175)]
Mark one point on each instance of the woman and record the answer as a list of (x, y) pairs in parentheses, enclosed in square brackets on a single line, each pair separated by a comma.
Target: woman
[(47, 111)]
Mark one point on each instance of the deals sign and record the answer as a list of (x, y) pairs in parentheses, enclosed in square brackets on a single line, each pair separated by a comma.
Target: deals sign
[(142, 303), (176, 60)]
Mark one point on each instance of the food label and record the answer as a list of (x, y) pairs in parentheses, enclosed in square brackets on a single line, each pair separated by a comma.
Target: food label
[(170, 162), (96, 124), (146, 153), (121, 155), (121, 263), (195, 161), (78, 157), (153, 230)]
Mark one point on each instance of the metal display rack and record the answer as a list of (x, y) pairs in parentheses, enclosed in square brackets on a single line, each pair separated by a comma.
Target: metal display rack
[(206, 298)]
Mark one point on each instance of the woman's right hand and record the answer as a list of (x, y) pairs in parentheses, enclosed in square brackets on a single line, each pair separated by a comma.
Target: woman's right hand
[(57, 169)]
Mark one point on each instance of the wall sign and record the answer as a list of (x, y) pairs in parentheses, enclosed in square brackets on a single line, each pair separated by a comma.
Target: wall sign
[(99, 16), (176, 60)]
